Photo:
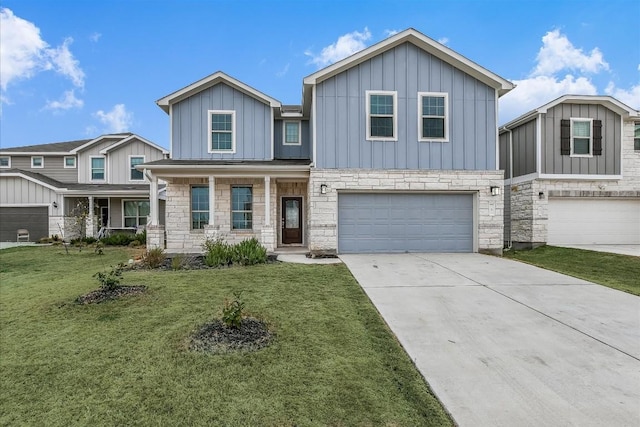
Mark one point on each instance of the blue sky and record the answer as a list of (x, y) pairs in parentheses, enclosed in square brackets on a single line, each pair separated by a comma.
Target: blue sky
[(78, 69)]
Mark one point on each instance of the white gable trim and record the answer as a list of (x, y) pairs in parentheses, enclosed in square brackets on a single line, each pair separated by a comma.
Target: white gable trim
[(423, 42), (212, 80), (131, 138), (34, 180), (93, 141)]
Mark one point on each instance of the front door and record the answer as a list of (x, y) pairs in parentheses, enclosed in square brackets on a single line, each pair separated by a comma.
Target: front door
[(291, 220)]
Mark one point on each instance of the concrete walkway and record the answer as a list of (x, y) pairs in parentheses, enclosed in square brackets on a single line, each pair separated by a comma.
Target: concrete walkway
[(504, 343)]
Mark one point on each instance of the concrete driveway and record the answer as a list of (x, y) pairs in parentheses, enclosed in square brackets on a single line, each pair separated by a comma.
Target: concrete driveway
[(507, 344)]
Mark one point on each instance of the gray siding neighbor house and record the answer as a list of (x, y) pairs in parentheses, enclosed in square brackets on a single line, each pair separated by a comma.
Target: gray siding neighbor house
[(572, 173), (45, 188), (392, 149)]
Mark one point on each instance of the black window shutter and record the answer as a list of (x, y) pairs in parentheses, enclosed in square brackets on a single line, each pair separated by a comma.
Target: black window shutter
[(565, 137), (597, 137)]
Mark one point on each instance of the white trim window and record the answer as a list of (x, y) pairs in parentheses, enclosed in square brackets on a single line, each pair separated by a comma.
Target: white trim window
[(433, 120), (135, 213), (97, 168), (69, 162), (222, 131), (382, 115), (636, 136), (135, 174), (37, 162), (581, 138), (5, 162), (199, 206), (291, 133), (241, 207)]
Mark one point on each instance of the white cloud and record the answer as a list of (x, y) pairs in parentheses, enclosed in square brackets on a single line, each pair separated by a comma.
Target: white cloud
[(23, 53), (558, 53), (630, 97), (284, 71), (117, 120), (389, 33), (443, 40), (67, 101), (94, 37), (346, 45)]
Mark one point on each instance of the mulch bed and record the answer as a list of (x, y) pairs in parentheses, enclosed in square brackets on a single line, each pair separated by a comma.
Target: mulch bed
[(217, 338), (101, 295)]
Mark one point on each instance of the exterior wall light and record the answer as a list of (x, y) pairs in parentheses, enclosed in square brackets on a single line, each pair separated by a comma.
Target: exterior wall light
[(55, 205), (541, 195), (495, 191), (323, 188)]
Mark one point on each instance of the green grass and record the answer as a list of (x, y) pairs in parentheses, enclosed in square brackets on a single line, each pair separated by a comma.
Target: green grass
[(334, 362), (620, 272)]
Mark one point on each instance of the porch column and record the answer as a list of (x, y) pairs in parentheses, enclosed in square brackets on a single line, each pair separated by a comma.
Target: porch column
[(90, 220), (268, 231), (210, 230), (153, 201)]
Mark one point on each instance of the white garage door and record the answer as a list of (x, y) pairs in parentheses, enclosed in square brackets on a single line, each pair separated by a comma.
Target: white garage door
[(594, 221), (398, 222)]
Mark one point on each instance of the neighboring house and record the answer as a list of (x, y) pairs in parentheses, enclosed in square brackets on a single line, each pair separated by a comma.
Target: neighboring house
[(393, 149), (572, 170), (46, 188)]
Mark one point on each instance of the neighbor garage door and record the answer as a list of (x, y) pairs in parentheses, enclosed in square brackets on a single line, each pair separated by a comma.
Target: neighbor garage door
[(594, 221), (33, 218), (400, 222)]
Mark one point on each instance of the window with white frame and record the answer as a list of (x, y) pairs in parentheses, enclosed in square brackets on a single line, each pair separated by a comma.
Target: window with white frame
[(291, 133), (636, 136), (581, 137), (241, 207), (222, 138), (382, 117), (135, 174), (135, 213), (5, 161), (37, 162), (433, 120), (199, 206), (97, 168), (70, 162)]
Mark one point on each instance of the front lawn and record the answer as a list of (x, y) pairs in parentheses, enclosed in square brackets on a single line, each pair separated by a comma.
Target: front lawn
[(620, 272), (126, 362)]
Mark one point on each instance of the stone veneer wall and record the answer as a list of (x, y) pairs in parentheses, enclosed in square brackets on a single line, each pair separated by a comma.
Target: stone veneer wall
[(529, 211), (323, 208)]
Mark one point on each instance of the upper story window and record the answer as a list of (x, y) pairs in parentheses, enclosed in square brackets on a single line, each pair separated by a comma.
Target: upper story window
[(135, 174), (581, 137), (37, 162), (5, 161), (69, 162), (241, 207), (382, 116), (199, 206), (222, 134), (291, 133), (97, 168), (432, 120), (636, 137)]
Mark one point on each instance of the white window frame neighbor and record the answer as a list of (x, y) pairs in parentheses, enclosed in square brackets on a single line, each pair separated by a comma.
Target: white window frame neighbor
[(69, 158), (210, 114), (636, 137), (33, 166), (132, 168), (240, 210), (104, 168), (572, 136), (8, 162), (284, 132), (192, 211), (138, 216), (368, 94), (421, 116)]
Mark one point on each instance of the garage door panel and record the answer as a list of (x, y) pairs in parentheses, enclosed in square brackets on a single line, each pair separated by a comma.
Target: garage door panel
[(593, 221), (388, 222), (33, 218)]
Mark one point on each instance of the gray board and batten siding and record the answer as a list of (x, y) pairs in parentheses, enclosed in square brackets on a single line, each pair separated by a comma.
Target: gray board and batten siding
[(286, 151), (524, 150), (190, 132), (606, 164), (407, 69), (53, 167)]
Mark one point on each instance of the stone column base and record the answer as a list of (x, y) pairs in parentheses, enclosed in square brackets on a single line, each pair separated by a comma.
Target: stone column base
[(268, 239), (155, 236)]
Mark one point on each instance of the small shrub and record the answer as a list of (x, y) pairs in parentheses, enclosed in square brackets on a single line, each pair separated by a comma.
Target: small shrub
[(154, 258), (232, 311), (178, 262), (118, 239), (110, 280), (99, 248), (249, 252), (141, 237), (217, 253)]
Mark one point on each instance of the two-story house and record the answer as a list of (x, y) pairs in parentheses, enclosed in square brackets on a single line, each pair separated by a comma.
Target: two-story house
[(393, 149), (572, 171), (48, 188)]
